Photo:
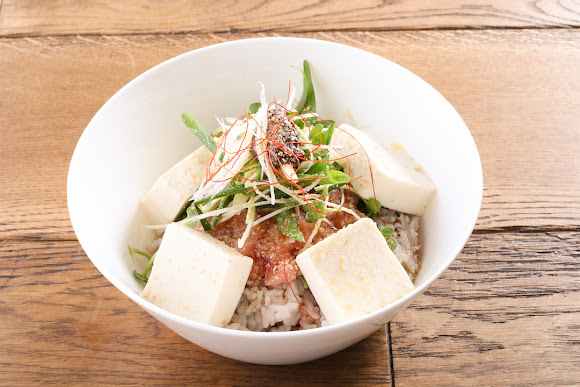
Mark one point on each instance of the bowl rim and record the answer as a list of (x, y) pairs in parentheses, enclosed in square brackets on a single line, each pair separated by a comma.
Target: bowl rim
[(149, 307)]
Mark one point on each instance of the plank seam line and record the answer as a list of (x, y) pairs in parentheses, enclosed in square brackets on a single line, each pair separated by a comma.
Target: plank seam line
[(499, 230), (524, 230), (390, 352), (234, 31)]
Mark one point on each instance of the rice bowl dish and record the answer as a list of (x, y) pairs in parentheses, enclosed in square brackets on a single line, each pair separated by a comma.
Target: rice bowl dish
[(141, 132)]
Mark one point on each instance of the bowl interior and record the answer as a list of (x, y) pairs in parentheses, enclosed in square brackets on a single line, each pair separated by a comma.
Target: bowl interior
[(138, 135)]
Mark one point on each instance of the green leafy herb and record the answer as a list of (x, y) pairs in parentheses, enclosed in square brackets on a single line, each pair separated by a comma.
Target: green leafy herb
[(313, 214), (252, 163), (254, 107), (392, 244), (205, 138), (320, 136), (320, 165), (223, 203), (316, 134), (277, 206), (313, 121), (334, 178), (335, 166), (327, 135), (308, 100), (373, 206), (142, 276), (387, 231), (300, 123), (288, 225), (191, 212), (304, 283), (229, 190), (205, 224)]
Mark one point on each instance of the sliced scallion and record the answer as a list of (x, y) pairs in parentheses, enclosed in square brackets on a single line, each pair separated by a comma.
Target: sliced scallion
[(201, 134), (308, 99)]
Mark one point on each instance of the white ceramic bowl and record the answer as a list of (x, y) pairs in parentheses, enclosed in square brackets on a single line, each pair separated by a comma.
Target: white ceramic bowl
[(138, 134)]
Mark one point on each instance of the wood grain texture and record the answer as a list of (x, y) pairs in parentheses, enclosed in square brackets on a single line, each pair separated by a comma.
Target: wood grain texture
[(34, 17), (62, 322), (517, 91), (507, 312)]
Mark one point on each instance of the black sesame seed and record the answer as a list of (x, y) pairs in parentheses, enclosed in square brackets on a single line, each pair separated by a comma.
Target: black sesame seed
[(286, 143)]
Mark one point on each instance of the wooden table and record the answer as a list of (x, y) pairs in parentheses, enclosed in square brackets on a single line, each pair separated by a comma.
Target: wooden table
[(505, 313)]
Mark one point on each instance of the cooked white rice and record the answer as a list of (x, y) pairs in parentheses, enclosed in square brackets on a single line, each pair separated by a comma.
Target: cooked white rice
[(407, 237), (277, 309)]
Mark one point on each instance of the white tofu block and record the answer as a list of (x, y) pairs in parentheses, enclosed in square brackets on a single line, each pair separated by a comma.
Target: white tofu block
[(170, 193), (197, 276), (353, 272), (399, 181)]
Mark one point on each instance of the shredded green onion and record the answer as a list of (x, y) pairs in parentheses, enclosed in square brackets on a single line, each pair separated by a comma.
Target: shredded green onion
[(205, 138), (304, 283), (142, 276), (308, 100)]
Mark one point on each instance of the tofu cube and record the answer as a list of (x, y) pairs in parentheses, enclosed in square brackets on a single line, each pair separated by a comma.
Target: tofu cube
[(399, 181), (169, 194), (197, 276), (353, 272)]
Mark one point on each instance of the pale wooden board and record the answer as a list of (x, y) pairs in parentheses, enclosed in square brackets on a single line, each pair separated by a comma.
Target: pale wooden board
[(517, 91), (62, 322), (507, 312), (35, 17)]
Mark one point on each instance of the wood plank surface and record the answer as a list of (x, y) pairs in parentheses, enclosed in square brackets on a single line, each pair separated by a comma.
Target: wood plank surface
[(507, 312), (63, 323), (55, 17), (517, 91)]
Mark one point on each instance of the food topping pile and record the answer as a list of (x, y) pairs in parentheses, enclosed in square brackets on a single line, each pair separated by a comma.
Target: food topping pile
[(270, 205)]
